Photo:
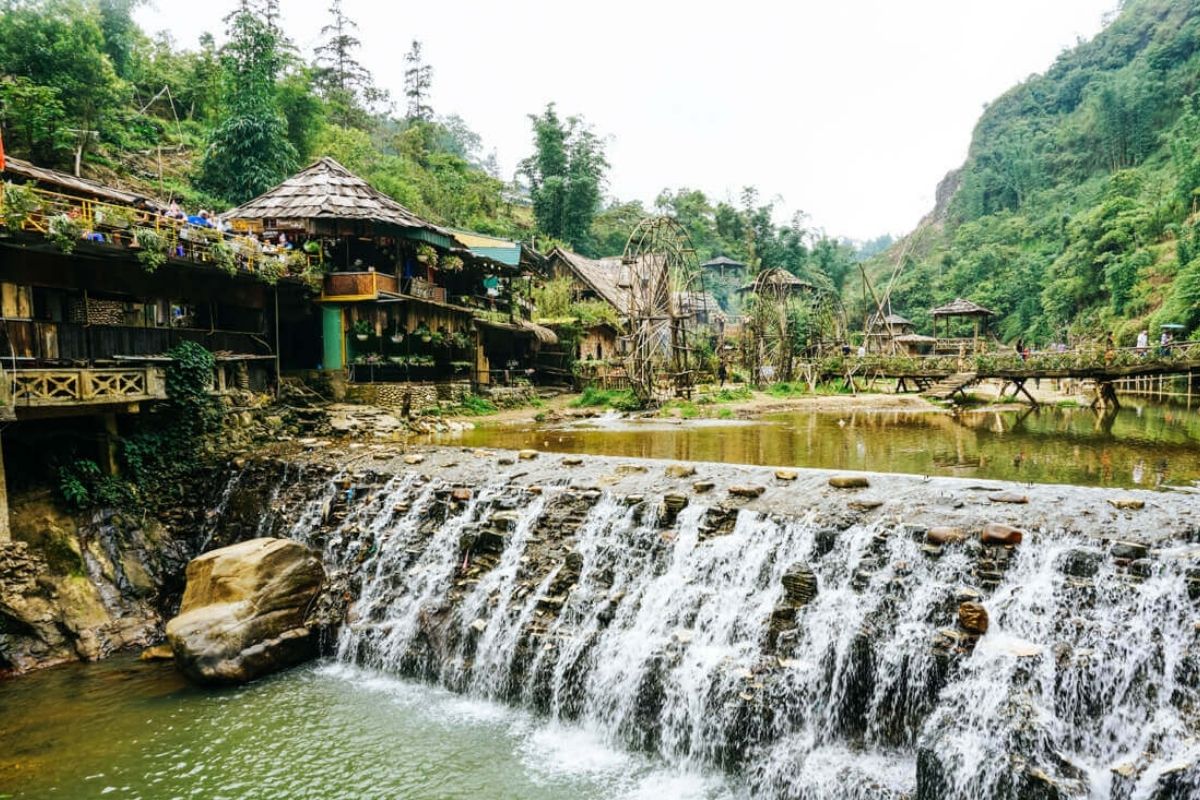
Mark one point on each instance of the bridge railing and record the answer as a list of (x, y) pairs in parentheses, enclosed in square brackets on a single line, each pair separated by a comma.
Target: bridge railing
[(1076, 360)]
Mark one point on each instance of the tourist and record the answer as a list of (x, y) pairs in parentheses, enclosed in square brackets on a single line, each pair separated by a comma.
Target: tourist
[(862, 351), (722, 373), (1164, 343), (1110, 348), (1143, 342)]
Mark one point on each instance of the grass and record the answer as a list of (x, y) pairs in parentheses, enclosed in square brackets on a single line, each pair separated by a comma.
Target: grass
[(620, 399), (726, 396), (473, 405)]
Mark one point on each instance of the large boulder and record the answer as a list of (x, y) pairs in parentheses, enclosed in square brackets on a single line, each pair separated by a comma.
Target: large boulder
[(243, 612)]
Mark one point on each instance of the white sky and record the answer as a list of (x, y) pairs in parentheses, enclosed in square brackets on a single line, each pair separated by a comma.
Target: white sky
[(850, 110)]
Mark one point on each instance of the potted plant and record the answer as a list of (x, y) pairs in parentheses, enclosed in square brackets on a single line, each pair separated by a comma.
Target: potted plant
[(427, 255), (452, 264), (362, 330), (423, 333), (397, 336)]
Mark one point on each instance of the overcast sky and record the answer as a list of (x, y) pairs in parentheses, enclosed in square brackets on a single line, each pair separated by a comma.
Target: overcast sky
[(850, 110)]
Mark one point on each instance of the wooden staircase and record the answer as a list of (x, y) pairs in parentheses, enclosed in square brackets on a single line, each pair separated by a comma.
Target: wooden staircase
[(946, 388)]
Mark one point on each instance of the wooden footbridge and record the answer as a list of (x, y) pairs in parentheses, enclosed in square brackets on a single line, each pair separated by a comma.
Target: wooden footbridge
[(947, 377)]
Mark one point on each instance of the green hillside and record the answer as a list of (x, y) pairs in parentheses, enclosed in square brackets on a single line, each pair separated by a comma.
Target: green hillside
[(1075, 212)]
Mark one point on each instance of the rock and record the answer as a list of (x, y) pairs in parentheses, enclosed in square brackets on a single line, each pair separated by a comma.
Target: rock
[(413, 458), (943, 535), (1009, 497), (527, 455), (479, 625), (973, 618), (1081, 562), (1127, 503), (675, 501), (999, 533), (572, 461), (700, 487), (680, 471), (243, 611), (506, 520), (631, 469), (159, 652), (460, 494), (864, 505), (505, 461), (1130, 551), (799, 584), (786, 474), (745, 490), (849, 482)]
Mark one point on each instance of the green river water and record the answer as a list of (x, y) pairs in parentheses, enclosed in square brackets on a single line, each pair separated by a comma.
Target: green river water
[(125, 729)]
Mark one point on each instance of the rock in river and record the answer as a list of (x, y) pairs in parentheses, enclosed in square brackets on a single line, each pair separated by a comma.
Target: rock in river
[(849, 482), (243, 612)]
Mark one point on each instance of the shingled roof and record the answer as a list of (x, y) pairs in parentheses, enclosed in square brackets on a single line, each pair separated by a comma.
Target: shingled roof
[(328, 191)]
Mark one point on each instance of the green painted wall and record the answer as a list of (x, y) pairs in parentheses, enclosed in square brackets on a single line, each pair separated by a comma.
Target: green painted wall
[(332, 336)]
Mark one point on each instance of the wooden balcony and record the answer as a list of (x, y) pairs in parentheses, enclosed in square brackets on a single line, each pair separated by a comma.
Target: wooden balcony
[(351, 286), (28, 388)]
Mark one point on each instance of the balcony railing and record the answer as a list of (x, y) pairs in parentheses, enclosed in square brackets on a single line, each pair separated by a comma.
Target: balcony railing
[(341, 285), (119, 226), (67, 387)]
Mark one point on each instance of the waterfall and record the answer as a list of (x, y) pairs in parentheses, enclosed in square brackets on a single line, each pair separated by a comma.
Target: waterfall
[(813, 662)]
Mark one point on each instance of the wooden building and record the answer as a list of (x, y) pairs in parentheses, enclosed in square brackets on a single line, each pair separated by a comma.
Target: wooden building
[(961, 326), (402, 299), (97, 286)]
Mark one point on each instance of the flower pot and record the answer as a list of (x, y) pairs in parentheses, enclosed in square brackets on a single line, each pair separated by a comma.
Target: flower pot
[(423, 259), (362, 337), (397, 338), (426, 339)]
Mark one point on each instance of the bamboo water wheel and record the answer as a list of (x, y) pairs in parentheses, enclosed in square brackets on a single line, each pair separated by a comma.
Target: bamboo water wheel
[(789, 317), (664, 296)]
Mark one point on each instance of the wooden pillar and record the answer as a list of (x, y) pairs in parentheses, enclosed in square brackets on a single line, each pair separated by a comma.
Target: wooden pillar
[(5, 534), (109, 442)]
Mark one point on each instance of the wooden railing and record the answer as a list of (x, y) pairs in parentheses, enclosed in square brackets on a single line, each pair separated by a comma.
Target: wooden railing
[(118, 226), (66, 387), (358, 285), (30, 340)]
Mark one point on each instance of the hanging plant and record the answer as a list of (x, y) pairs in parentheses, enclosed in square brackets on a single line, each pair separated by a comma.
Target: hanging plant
[(314, 277), (270, 270), (362, 330), (64, 231), (427, 255), (153, 247), (224, 257), (452, 264), (19, 202)]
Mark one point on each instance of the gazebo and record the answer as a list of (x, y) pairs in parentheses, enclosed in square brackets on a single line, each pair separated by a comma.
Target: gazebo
[(960, 308)]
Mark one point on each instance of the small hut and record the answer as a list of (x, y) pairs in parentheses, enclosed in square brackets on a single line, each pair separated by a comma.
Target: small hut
[(723, 265), (960, 309)]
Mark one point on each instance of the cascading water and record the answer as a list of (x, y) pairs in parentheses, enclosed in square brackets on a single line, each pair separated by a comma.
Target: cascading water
[(813, 662)]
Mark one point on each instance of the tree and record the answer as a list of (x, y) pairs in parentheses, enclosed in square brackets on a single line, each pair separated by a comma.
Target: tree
[(418, 78), (59, 44), (346, 84), (566, 177), (249, 150)]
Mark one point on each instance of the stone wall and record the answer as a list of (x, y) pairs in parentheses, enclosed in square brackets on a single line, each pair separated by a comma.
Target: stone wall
[(509, 396), (415, 396)]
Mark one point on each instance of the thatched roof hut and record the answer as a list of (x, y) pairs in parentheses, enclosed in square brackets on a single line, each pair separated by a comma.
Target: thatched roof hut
[(962, 308), (327, 198), (602, 276), (776, 281)]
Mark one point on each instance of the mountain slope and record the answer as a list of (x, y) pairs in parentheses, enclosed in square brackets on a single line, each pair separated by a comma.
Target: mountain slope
[(1075, 210)]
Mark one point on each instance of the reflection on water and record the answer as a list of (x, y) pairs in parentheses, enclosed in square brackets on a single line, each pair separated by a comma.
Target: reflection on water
[(1146, 445), (124, 729)]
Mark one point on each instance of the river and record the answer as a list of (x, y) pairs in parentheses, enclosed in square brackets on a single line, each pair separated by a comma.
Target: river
[(125, 729), (1146, 445)]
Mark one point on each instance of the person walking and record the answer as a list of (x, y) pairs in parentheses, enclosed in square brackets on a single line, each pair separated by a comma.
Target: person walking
[(1143, 342)]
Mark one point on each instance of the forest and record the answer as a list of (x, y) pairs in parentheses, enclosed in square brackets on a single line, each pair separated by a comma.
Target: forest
[(1075, 212), (84, 88)]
